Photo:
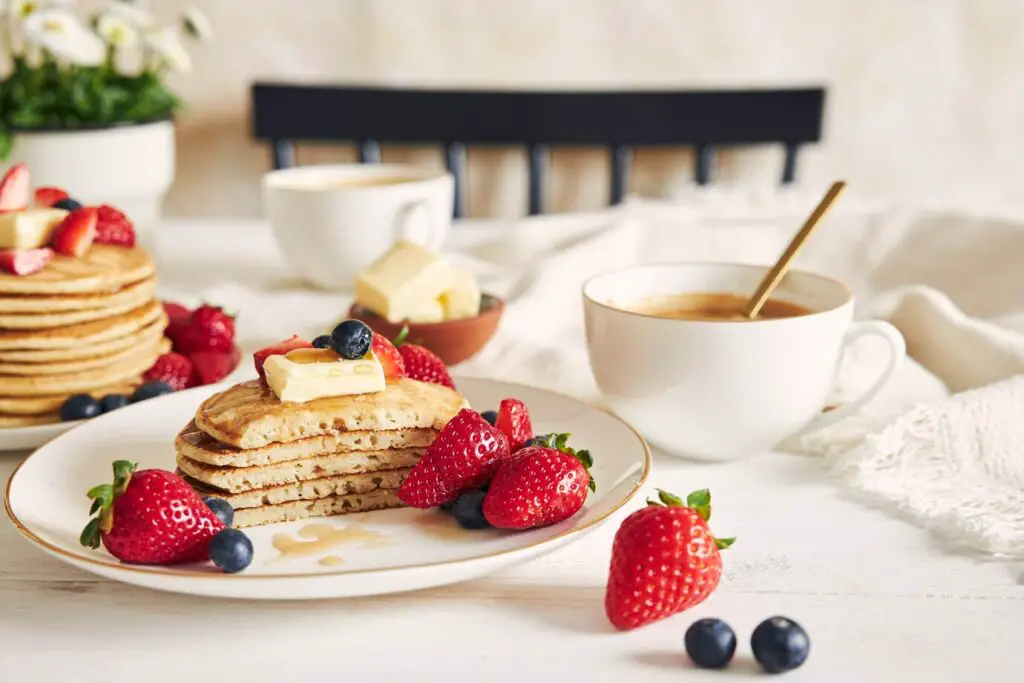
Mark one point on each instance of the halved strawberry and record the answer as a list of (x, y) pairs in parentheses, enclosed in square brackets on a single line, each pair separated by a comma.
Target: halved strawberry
[(48, 196), (278, 349), (76, 233), (213, 366), (24, 261), (15, 189), (388, 356), (114, 227), (514, 421)]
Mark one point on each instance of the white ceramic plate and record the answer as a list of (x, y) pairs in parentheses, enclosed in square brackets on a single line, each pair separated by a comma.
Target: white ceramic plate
[(27, 438), (410, 549)]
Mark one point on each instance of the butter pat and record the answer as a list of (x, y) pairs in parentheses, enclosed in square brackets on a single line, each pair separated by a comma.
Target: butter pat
[(403, 282), (301, 377), (29, 229), (462, 298), (427, 312)]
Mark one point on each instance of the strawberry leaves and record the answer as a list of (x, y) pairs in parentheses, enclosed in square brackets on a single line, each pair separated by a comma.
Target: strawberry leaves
[(560, 442), (102, 496), (699, 501)]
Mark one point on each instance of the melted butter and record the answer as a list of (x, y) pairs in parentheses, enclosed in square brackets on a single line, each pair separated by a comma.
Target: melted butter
[(322, 538), (440, 525), (306, 356)]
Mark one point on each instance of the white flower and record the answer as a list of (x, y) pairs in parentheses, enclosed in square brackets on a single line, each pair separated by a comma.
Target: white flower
[(61, 34), (116, 31), (167, 46), (136, 16), (196, 24)]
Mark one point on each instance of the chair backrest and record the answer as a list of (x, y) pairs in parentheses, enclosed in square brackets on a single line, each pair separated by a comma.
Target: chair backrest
[(620, 120)]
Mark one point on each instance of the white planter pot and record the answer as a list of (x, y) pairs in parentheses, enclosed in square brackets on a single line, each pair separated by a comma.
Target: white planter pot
[(128, 166)]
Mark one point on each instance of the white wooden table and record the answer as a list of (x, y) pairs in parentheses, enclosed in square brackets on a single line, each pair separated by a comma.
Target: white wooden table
[(880, 600)]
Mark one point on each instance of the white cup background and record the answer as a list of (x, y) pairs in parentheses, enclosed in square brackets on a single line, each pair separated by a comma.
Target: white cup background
[(723, 390), (329, 232)]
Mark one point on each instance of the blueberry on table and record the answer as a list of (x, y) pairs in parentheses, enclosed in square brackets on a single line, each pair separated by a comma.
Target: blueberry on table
[(231, 550), (221, 508), (490, 415), (80, 407), (68, 204), (779, 644), (151, 390), (710, 643), (112, 402), (469, 511), (351, 339), (322, 342)]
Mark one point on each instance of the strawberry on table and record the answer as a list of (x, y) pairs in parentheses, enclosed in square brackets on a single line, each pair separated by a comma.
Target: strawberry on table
[(24, 261), (15, 189), (209, 329), (514, 420), (172, 368), (464, 456), (48, 196), (149, 517), (421, 363), (389, 357), (539, 485), (664, 560), (278, 349), (213, 366), (76, 232), (114, 227)]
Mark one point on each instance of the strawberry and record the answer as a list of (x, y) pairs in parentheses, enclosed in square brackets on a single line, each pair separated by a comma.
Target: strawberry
[(24, 261), (539, 485), (209, 329), (664, 560), (15, 189), (464, 456), (176, 313), (278, 349), (388, 356), (177, 324), (76, 232), (421, 363), (213, 366), (114, 227), (173, 368), (149, 517), (514, 420), (48, 196)]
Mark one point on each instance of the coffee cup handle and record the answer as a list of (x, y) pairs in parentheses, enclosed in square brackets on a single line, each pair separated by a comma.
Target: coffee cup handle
[(897, 351), (433, 240)]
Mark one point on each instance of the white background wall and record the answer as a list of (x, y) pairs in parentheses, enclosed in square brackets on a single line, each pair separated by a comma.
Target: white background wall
[(926, 96)]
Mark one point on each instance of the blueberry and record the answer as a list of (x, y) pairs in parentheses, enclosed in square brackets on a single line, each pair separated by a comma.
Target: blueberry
[(490, 415), (779, 644), (469, 511), (221, 508), (231, 550), (351, 339), (80, 407), (68, 204), (112, 402), (151, 390), (322, 342), (536, 440), (449, 507), (711, 643)]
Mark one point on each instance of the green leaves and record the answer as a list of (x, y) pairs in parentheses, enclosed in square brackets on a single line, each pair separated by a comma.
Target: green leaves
[(102, 496), (560, 442), (699, 501)]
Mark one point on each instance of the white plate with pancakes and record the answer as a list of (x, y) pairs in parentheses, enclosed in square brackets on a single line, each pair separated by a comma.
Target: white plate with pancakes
[(361, 553)]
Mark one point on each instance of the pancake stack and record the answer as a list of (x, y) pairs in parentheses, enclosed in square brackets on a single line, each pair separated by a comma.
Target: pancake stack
[(279, 462), (80, 325)]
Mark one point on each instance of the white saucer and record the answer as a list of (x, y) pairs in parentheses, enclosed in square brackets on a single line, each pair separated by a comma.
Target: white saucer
[(415, 549), (27, 438)]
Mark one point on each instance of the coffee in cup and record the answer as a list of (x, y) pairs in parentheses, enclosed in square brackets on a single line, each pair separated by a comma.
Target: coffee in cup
[(711, 307)]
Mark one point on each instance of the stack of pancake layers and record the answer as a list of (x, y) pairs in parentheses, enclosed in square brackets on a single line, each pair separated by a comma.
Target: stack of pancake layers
[(81, 325), (279, 462)]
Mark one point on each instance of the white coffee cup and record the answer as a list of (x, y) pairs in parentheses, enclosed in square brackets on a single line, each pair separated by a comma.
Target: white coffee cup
[(333, 221), (724, 390)]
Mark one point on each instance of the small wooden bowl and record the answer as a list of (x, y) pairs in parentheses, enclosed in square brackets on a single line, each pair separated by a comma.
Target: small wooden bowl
[(453, 340)]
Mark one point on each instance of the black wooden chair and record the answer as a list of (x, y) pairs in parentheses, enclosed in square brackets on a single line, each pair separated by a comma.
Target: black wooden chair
[(704, 119)]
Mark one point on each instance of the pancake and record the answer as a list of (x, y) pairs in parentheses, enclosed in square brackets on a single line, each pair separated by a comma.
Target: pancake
[(39, 321), (104, 268), (147, 335), (249, 415), (8, 421), (39, 405), (339, 485), (83, 334), (196, 445), (86, 380), (51, 303), (378, 499), (238, 479), (150, 349)]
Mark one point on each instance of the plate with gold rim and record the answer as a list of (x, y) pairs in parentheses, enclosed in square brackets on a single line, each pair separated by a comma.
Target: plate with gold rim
[(370, 553)]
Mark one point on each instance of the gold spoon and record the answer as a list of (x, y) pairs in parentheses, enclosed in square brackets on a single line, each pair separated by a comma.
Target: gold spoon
[(778, 271)]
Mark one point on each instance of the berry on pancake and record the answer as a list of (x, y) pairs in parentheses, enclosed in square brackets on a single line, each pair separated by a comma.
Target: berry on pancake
[(113, 227), (387, 354), (48, 196), (421, 363), (15, 189), (24, 261), (278, 349), (76, 232)]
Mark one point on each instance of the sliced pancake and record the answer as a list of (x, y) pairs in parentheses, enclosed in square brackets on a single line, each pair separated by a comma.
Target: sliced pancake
[(104, 268), (8, 421), (84, 334), (196, 445), (52, 303), (238, 479), (249, 415), (378, 499), (147, 335), (40, 405), (151, 350), (40, 321), (339, 485), (86, 380)]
